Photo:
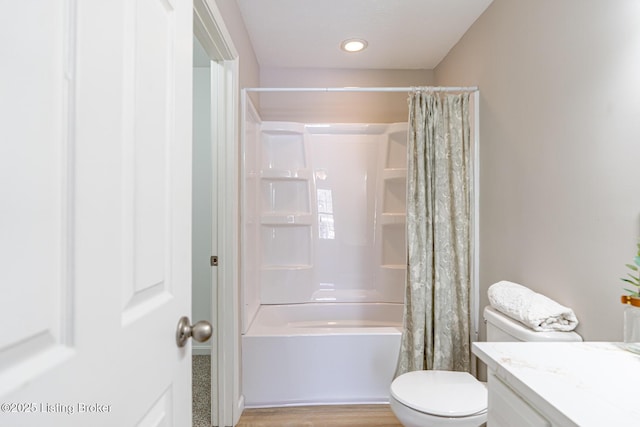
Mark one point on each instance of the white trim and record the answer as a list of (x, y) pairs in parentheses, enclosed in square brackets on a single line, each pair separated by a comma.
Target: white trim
[(212, 34), (201, 350), (243, 189), (239, 408), (474, 331), (227, 325), (228, 289), (216, 246), (209, 27), (247, 110), (476, 217)]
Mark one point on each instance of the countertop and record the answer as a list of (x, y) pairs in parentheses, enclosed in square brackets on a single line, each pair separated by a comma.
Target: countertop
[(570, 383)]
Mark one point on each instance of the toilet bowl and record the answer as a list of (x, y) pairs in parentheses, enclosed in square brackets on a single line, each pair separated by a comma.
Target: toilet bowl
[(457, 399), (439, 398)]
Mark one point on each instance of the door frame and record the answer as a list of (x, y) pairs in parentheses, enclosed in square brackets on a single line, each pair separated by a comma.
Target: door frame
[(208, 26)]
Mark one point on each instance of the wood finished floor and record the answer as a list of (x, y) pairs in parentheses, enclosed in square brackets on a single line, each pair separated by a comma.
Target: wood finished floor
[(320, 416)]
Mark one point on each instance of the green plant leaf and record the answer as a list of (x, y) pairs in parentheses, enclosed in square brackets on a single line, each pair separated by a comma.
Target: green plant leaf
[(633, 293), (634, 279), (631, 282), (637, 260), (633, 267)]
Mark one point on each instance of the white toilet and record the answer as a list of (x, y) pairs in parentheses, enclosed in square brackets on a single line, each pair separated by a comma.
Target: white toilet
[(445, 398)]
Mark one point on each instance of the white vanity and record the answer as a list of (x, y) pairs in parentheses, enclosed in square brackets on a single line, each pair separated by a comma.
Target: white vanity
[(561, 384)]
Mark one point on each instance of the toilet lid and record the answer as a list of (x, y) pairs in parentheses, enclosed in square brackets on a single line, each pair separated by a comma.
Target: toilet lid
[(441, 393)]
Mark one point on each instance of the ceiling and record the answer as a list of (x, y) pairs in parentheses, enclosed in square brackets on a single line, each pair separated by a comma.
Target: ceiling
[(401, 34)]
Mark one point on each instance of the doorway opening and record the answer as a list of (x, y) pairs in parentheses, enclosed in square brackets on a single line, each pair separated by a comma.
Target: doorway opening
[(203, 231), (222, 295)]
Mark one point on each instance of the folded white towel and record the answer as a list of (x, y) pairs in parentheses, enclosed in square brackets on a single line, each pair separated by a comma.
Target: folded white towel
[(533, 309)]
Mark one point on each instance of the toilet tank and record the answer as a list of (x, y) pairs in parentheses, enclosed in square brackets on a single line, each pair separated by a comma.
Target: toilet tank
[(501, 327)]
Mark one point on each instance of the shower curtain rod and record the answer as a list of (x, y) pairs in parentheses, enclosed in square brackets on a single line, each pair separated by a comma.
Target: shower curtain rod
[(364, 89)]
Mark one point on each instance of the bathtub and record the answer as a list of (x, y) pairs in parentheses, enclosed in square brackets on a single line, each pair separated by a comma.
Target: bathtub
[(320, 353)]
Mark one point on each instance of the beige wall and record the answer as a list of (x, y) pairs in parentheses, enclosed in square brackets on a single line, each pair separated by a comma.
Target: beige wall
[(338, 107), (560, 148), (315, 107), (249, 68)]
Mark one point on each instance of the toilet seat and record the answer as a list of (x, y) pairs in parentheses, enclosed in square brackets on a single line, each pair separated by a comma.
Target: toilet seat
[(441, 393)]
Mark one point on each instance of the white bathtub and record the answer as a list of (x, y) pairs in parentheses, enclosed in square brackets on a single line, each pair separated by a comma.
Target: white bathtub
[(320, 353)]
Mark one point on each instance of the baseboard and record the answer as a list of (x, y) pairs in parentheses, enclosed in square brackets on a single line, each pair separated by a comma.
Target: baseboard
[(239, 410), (201, 350)]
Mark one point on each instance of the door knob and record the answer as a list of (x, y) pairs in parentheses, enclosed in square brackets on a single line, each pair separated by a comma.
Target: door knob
[(200, 332)]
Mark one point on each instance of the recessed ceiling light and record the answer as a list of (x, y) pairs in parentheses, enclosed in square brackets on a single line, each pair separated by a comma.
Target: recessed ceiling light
[(353, 45)]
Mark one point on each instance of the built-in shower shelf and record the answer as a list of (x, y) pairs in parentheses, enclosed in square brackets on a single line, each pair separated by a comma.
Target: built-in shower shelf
[(297, 174), (281, 218), (393, 218)]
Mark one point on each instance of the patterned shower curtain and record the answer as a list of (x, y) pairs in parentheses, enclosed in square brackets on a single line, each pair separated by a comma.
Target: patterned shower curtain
[(437, 295)]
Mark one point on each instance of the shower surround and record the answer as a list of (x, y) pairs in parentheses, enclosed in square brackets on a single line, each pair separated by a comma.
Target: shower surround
[(324, 260)]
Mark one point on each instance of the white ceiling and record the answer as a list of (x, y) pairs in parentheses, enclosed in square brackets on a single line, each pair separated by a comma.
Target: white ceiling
[(402, 34)]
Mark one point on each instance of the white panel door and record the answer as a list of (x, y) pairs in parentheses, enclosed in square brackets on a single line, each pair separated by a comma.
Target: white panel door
[(95, 249)]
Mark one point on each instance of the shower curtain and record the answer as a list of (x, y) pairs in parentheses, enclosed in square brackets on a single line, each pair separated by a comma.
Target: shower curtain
[(437, 296)]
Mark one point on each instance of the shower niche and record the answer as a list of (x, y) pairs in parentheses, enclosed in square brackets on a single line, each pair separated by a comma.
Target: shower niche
[(323, 211)]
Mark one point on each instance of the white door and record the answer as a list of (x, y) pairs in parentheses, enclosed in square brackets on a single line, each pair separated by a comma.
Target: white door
[(95, 195)]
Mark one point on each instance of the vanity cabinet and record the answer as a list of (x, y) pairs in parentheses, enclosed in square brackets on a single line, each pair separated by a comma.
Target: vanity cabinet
[(560, 384), (508, 409)]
